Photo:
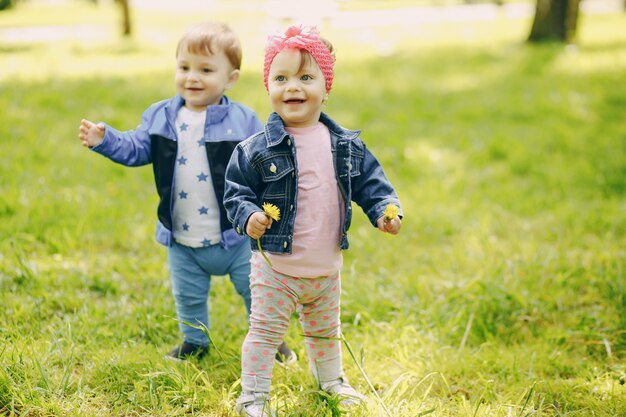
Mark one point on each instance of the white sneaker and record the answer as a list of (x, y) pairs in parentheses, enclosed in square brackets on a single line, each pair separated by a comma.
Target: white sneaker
[(254, 405), (348, 395)]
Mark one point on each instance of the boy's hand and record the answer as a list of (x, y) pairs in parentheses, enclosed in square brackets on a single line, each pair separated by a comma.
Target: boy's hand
[(390, 226), (90, 134), (258, 222)]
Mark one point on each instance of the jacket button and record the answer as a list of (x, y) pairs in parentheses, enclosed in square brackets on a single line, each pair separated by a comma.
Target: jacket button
[(289, 142), (238, 230), (285, 245), (349, 166), (291, 207)]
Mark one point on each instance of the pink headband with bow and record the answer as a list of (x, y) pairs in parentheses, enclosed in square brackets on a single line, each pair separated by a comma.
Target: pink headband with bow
[(303, 38)]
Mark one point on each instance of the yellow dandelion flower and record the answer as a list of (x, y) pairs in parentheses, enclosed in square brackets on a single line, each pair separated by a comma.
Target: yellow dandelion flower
[(391, 211), (271, 211)]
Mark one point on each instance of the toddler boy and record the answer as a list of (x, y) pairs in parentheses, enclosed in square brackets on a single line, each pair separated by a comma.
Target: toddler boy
[(188, 139)]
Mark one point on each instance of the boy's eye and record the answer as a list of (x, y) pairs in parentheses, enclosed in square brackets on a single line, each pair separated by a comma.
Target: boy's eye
[(184, 67), (207, 70)]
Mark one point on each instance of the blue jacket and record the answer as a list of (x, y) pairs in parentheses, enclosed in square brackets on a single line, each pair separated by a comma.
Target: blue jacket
[(154, 141), (263, 169)]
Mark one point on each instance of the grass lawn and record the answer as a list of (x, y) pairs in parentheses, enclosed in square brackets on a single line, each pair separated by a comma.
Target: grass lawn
[(504, 294)]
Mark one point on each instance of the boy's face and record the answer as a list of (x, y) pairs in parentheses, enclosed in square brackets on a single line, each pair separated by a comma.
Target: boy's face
[(296, 94), (202, 79)]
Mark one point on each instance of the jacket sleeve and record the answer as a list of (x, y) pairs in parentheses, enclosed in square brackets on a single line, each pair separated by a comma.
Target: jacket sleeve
[(372, 190), (130, 148), (240, 199)]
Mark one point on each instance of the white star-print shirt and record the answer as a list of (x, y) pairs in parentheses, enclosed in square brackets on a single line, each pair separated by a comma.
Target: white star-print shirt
[(195, 215)]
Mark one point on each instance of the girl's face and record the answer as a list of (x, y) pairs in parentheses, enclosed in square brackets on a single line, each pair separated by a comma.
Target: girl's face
[(202, 79), (296, 88)]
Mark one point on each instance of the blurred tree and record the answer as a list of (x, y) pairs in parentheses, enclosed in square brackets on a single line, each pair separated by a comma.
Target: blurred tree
[(555, 20), (5, 4), (127, 27)]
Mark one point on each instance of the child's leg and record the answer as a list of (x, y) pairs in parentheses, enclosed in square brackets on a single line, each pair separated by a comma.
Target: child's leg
[(272, 305), (190, 287), (319, 317), (239, 271)]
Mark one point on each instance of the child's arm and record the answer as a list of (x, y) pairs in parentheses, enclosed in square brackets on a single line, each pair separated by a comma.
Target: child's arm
[(129, 148), (373, 192), (90, 134), (240, 198)]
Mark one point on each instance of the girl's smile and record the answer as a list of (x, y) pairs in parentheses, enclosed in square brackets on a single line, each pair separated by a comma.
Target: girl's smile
[(296, 88)]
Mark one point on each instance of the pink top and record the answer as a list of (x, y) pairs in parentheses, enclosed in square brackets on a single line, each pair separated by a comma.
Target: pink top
[(317, 228)]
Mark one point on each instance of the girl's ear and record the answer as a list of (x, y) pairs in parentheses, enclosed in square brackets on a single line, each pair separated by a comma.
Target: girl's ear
[(232, 78)]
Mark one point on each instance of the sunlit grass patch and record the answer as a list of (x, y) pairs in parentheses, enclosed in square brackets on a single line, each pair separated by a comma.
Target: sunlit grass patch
[(503, 295)]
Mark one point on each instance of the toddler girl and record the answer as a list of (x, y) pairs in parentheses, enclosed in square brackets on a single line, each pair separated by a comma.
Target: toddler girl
[(310, 169)]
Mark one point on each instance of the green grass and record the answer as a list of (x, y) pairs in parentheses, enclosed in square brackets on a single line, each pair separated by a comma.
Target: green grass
[(504, 294)]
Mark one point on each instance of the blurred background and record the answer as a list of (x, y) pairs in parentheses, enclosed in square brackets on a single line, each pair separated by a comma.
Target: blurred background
[(378, 25)]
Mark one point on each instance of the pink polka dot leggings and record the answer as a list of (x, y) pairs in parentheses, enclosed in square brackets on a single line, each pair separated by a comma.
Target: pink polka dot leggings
[(275, 297)]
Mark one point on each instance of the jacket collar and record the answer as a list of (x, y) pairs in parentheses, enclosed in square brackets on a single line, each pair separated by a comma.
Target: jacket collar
[(217, 112), (214, 114), (275, 131)]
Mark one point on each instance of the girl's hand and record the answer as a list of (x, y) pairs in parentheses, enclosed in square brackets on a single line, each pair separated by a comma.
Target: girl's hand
[(90, 134), (258, 222), (391, 226)]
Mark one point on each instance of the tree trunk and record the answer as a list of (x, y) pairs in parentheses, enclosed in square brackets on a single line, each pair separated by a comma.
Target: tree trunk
[(127, 29), (555, 20)]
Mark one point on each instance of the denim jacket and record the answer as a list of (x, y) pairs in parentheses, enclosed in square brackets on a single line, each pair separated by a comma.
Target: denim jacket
[(263, 169)]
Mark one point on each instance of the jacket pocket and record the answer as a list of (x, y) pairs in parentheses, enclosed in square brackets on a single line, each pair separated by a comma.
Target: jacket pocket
[(277, 172), (275, 167)]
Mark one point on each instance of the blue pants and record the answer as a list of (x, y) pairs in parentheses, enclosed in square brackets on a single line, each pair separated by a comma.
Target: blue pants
[(190, 273)]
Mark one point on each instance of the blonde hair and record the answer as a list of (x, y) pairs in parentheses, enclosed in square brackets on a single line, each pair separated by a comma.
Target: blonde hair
[(209, 37)]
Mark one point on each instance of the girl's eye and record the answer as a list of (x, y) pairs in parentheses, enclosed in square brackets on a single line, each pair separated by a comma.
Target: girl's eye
[(306, 77), (183, 68), (280, 78), (206, 70)]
